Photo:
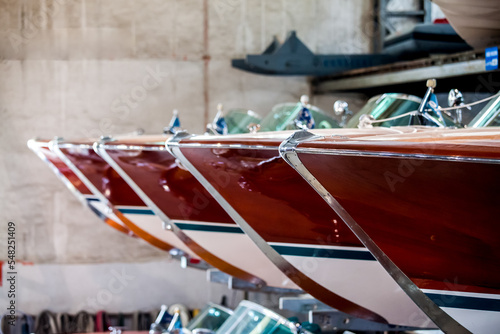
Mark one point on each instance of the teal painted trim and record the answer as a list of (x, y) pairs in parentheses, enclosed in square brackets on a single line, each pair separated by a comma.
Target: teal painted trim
[(137, 211), (209, 228), (465, 302), (321, 252)]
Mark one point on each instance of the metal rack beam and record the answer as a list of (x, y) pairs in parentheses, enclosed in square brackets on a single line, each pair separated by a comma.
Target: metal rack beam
[(217, 276), (445, 66), (332, 320)]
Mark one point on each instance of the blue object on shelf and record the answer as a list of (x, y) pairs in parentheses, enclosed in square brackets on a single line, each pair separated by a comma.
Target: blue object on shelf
[(491, 58)]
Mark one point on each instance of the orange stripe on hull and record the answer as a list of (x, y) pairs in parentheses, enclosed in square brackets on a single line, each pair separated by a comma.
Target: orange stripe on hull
[(119, 227), (143, 234)]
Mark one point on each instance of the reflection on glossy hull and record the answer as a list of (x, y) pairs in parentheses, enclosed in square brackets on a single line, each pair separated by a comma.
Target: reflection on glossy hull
[(173, 193), (282, 214), (108, 186), (429, 201), (75, 185)]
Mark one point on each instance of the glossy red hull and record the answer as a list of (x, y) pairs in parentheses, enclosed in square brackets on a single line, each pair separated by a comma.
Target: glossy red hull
[(173, 189), (436, 218), (120, 198), (292, 223), (73, 182), (428, 202), (177, 195)]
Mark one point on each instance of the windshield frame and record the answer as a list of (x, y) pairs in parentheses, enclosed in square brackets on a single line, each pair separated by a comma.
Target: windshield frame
[(487, 115), (271, 122)]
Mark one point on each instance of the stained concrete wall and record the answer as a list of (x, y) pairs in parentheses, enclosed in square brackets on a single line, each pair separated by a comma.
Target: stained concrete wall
[(83, 68), (114, 287)]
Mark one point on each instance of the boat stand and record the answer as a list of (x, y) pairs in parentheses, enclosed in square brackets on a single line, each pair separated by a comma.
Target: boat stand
[(332, 320), (217, 276), (185, 261)]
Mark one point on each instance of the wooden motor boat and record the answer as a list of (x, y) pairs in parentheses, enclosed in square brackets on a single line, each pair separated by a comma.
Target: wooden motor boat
[(188, 209), (426, 206), (489, 115), (121, 200), (281, 213), (42, 149)]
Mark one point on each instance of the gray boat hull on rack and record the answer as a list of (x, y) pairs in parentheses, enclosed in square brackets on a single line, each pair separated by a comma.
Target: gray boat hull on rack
[(477, 22)]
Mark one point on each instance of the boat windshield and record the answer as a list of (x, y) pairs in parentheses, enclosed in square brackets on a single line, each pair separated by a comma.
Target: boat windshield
[(247, 319), (386, 106), (488, 116), (282, 117), (238, 120), (392, 105), (212, 317)]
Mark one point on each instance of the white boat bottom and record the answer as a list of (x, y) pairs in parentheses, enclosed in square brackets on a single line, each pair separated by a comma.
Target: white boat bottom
[(152, 224), (352, 272), (478, 312), (103, 209), (230, 244)]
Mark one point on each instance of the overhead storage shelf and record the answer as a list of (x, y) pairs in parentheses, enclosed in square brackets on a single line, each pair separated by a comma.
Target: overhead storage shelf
[(403, 73)]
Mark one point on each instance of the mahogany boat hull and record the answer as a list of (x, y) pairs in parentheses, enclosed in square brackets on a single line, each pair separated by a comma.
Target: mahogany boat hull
[(282, 215), (120, 199), (42, 149), (430, 203), (174, 194)]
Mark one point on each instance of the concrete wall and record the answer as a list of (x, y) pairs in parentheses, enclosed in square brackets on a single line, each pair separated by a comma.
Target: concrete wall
[(114, 287), (83, 68)]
